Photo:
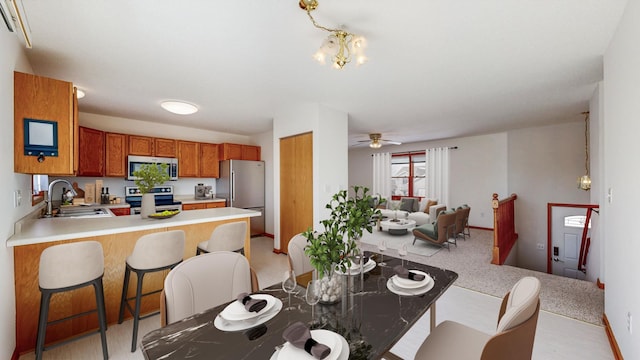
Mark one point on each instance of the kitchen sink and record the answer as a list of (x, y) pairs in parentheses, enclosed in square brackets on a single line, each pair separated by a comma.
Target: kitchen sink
[(83, 212)]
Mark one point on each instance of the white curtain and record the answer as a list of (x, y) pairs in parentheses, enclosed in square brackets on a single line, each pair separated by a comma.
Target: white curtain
[(438, 174), (382, 175)]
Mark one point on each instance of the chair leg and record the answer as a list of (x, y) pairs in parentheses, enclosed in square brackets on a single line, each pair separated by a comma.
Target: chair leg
[(42, 322), (102, 316), (136, 315), (123, 299)]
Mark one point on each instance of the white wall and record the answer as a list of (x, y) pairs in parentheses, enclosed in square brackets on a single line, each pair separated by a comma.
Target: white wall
[(11, 58), (595, 257), (478, 169), (265, 141), (330, 159), (543, 167), (621, 169)]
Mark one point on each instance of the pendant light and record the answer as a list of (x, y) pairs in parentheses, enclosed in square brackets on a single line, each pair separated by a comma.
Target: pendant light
[(584, 181)]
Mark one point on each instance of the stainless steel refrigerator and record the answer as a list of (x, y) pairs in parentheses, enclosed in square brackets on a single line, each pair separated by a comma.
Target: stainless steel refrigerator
[(241, 183)]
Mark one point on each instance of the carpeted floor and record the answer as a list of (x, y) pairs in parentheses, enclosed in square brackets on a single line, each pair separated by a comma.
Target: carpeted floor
[(471, 259)]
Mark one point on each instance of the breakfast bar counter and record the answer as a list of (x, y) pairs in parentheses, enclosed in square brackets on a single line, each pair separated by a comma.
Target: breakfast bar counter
[(118, 236), (37, 231)]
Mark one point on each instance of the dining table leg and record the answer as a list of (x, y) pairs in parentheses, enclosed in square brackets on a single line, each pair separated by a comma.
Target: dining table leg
[(432, 310)]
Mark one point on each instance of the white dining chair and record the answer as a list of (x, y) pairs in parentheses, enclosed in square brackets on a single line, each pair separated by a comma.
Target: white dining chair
[(225, 237), (205, 281), (513, 339)]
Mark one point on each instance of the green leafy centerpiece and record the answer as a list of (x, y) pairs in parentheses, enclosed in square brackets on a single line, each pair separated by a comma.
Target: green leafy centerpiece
[(337, 245), (146, 178)]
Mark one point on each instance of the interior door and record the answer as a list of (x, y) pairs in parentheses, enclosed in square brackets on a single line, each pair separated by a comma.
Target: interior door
[(296, 186), (566, 237)]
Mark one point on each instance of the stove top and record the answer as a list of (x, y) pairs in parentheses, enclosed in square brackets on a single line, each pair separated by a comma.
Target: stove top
[(163, 195)]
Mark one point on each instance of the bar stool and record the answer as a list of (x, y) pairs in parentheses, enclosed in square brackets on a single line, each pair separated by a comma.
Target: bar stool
[(68, 267), (225, 237), (152, 253)]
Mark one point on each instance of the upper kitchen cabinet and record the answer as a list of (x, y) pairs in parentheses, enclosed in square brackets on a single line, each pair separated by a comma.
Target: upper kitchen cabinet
[(250, 152), (164, 148), (140, 145), (229, 151), (209, 161), (91, 152), (188, 161), (115, 156), (45, 126)]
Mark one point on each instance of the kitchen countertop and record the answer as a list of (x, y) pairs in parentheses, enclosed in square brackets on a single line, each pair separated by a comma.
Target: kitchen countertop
[(190, 199), (36, 231)]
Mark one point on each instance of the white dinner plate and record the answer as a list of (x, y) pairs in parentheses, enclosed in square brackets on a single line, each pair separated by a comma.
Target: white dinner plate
[(237, 311), (337, 343), (411, 284), (354, 269), (408, 292), (238, 325)]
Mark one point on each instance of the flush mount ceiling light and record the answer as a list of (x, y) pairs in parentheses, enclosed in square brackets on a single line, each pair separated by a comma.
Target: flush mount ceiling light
[(79, 93), (584, 181), (340, 46), (179, 107)]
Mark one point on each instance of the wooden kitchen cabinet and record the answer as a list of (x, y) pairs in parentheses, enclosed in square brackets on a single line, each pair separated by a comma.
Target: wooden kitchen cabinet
[(164, 147), (228, 151), (204, 205), (41, 98), (250, 152), (215, 204), (209, 167), (121, 211), (196, 206), (90, 152), (140, 145), (115, 155), (188, 162)]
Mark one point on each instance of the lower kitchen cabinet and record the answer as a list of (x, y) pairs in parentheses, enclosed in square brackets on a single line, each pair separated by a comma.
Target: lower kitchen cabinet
[(121, 211), (203, 205)]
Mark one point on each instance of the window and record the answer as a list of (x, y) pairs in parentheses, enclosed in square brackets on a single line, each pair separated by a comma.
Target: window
[(408, 175)]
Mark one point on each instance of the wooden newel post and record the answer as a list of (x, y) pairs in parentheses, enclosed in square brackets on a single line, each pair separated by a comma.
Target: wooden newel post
[(495, 203)]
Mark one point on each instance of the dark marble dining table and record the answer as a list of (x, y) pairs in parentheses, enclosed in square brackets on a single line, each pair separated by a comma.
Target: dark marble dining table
[(369, 316)]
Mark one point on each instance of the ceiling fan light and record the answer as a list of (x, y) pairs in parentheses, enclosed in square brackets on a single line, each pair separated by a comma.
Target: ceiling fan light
[(179, 107), (375, 144)]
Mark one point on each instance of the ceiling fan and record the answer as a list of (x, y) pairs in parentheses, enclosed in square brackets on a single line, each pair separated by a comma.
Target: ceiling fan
[(375, 141)]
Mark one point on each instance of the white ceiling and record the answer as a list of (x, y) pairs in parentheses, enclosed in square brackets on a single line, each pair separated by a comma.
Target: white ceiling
[(437, 68)]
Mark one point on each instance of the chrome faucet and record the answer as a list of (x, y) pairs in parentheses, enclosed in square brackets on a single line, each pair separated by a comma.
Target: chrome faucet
[(51, 184)]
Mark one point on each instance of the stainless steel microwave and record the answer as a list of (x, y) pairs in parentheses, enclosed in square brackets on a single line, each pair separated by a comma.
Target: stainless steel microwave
[(134, 163)]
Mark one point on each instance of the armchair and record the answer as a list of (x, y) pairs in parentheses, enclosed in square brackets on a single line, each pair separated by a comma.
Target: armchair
[(438, 232)]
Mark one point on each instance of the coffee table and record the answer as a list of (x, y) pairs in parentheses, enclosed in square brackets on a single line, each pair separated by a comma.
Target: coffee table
[(398, 227)]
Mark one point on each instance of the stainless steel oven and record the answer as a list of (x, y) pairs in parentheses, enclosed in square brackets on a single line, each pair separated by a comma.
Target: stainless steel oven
[(163, 197)]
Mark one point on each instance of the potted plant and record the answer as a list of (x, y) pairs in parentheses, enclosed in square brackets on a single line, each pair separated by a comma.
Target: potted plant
[(146, 178), (334, 248)]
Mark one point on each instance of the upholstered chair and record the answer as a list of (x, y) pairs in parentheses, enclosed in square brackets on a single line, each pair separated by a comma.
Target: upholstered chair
[(513, 339), (203, 282), (67, 267), (299, 262), (225, 237), (439, 232), (152, 253)]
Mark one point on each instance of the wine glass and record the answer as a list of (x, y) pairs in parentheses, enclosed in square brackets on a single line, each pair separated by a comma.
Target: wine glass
[(312, 295), (382, 247), (289, 284), (402, 252)]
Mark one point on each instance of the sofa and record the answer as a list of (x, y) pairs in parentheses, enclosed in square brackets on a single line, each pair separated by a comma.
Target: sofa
[(414, 209)]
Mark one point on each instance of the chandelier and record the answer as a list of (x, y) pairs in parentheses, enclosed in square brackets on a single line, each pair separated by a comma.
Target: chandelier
[(340, 46), (584, 181)]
